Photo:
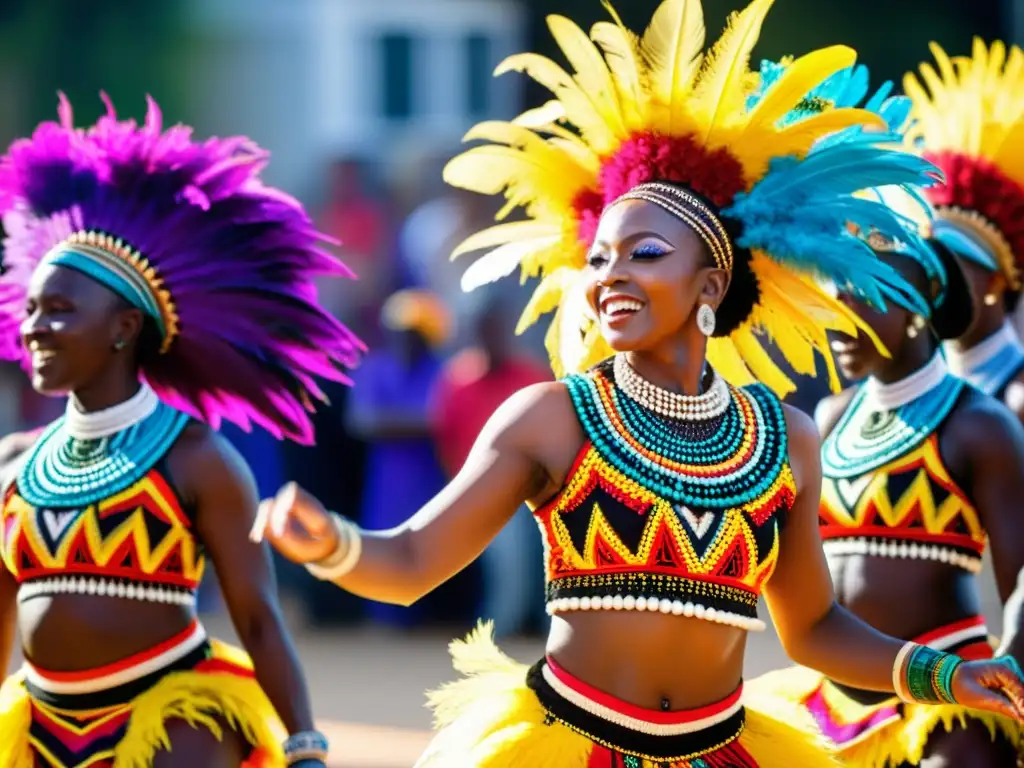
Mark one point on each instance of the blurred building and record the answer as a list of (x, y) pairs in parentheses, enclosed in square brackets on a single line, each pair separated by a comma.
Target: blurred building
[(317, 79)]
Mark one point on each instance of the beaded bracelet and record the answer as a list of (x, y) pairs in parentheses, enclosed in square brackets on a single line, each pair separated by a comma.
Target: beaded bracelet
[(305, 745), (345, 556), (923, 675)]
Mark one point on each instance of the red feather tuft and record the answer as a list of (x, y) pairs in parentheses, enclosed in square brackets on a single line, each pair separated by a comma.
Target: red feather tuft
[(975, 184), (715, 175)]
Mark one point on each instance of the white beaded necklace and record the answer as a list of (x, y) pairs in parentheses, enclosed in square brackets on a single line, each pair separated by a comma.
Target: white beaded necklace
[(110, 421), (880, 397), (709, 405)]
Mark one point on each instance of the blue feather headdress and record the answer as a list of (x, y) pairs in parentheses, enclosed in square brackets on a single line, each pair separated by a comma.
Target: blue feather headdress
[(903, 223)]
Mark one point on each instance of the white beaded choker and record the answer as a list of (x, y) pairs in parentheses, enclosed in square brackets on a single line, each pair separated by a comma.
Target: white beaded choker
[(110, 421), (963, 363), (889, 397), (672, 405)]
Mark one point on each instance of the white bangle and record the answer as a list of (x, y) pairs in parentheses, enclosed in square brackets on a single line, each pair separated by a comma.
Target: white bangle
[(345, 556), (897, 671)]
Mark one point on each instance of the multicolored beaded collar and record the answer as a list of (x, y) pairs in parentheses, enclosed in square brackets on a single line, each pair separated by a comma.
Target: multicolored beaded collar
[(83, 458), (718, 463), (675, 515), (886, 421), (990, 365)]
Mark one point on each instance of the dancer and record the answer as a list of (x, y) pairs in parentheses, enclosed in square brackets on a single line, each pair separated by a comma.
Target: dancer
[(970, 123), (669, 499), (159, 285), (919, 468)]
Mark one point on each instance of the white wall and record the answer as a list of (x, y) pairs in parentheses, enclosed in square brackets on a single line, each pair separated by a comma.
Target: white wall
[(302, 76)]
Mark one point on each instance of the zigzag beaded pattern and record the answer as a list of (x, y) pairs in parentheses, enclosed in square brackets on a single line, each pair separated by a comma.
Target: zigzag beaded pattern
[(909, 508), (63, 471), (138, 544), (650, 521)]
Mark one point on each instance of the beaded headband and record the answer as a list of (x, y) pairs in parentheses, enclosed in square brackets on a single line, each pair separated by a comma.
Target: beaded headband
[(693, 211), (988, 235), (123, 270)]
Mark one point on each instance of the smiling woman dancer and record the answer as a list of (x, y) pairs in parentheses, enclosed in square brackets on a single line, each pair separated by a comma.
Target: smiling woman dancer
[(159, 285), (669, 499)]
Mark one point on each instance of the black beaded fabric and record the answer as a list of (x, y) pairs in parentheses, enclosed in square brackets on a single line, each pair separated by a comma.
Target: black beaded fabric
[(626, 741)]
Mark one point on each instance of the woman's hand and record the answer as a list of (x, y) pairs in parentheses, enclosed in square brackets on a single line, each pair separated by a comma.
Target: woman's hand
[(995, 685), (297, 525)]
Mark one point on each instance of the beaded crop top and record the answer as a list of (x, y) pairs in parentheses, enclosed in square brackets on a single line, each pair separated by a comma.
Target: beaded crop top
[(885, 488), (675, 515), (92, 512)]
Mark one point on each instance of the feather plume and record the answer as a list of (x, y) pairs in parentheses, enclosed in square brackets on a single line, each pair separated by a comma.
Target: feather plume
[(237, 258), (672, 49), (720, 93)]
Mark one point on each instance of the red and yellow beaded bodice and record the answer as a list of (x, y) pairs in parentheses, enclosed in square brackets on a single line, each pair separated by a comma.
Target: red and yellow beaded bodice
[(98, 514), (138, 543), (910, 507), (652, 519)]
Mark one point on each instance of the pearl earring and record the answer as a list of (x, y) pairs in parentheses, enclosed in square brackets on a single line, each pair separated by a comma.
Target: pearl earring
[(706, 319), (990, 299), (916, 324)]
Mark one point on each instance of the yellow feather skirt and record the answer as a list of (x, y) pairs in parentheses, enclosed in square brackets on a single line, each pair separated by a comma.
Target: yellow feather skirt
[(883, 735), (220, 689), (492, 718)]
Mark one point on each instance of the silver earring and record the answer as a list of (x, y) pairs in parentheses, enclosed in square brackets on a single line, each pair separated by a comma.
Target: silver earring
[(706, 319), (119, 344)]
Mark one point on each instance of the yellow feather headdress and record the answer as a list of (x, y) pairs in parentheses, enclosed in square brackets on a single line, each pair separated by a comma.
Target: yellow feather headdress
[(969, 121), (654, 108)]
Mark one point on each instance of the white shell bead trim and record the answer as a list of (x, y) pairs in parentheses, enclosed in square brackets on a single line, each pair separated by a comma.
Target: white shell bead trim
[(903, 549), (87, 585), (672, 405), (632, 723), (664, 605)]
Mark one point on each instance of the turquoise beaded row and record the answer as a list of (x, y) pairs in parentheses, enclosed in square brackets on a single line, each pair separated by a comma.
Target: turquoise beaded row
[(846, 453), (745, 484), (928, 675), (63, 472)]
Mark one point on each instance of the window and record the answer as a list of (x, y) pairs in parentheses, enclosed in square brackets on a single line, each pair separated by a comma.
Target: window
[(478, 68), (396, 75)]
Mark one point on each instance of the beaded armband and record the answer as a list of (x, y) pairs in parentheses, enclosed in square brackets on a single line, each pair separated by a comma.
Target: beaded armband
[(345, 556), (306, 745), (922, 675)]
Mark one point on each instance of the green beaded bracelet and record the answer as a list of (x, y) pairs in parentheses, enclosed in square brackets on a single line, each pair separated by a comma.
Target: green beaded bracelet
[(926, 675)]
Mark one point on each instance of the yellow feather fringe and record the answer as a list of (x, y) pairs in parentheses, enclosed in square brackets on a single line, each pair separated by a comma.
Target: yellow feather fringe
[(203, 699), (490, 719), (902, 742)]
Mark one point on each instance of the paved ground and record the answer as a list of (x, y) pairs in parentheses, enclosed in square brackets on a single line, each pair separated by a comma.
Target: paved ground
[(367, 685)]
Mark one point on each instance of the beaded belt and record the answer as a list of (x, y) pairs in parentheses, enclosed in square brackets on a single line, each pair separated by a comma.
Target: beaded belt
[(121, 681), (645, 733)]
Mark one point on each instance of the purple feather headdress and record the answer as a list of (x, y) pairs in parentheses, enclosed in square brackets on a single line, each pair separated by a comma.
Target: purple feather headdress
[(226, 264)]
